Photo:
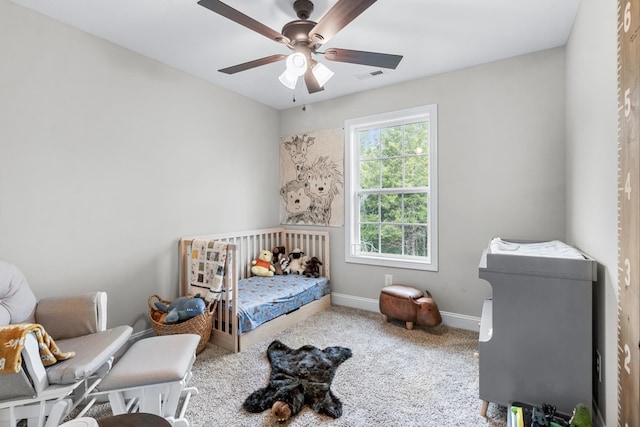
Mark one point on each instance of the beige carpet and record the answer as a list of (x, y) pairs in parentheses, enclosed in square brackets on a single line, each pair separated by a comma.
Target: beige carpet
[(424, 377)]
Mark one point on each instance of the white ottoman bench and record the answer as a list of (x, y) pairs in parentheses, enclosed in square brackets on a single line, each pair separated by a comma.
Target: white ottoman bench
[(152, 376)]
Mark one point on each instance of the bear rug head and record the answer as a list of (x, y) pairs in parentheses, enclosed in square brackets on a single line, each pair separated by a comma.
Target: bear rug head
[(299, 376)]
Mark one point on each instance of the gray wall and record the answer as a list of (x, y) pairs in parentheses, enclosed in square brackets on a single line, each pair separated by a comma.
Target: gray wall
[(592, 171), (501, 169), (107, 158)]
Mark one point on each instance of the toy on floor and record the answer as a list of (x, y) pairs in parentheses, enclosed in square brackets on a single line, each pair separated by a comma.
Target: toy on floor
[(581, 416), (180, 309), (262, 266), (312, 268), (296, 261)]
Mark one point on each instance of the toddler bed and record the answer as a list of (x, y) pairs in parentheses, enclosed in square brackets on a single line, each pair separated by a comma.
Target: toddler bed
[(252, 308)]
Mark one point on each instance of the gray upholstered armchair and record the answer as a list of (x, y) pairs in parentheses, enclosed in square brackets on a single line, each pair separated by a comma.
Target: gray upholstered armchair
[(46, 395)]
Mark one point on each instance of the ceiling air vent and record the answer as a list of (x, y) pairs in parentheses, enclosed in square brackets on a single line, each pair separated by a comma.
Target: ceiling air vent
[(376, 73)]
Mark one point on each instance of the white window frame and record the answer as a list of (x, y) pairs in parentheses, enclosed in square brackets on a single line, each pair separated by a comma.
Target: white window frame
[(352, 184)]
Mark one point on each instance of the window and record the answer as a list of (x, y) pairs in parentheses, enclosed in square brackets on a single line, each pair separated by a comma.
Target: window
[(391, 189)]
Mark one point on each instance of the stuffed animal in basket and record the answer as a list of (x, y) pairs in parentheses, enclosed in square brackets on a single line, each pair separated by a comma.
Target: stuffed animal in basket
[(262, 266), (296, 261), (312, 268), (182, 308)]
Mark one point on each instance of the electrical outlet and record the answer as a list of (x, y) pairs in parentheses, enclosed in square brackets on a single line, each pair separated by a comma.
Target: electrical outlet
[(388, 279), (599, 365)]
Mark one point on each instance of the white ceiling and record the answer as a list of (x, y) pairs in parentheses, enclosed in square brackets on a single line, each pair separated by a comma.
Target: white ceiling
[(434, 36)]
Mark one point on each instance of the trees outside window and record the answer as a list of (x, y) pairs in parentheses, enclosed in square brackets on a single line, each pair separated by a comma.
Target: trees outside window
[(391, 206)]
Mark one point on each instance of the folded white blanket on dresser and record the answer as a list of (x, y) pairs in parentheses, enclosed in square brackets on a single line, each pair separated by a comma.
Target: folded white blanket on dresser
[(549, 249)]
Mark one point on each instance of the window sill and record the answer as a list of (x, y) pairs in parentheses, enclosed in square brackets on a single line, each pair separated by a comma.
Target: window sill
[(394, 263)]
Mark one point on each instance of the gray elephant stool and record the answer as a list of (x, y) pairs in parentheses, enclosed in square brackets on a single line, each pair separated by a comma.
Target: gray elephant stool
[(410, 305)]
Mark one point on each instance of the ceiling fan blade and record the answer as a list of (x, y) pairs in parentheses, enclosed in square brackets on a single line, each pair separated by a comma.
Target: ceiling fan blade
[(242, 19), (341, 14), (252, 64), (311, 82), (374, 59)]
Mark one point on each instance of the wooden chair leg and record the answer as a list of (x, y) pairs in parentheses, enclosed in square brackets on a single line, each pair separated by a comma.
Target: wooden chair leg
[(409, 325)]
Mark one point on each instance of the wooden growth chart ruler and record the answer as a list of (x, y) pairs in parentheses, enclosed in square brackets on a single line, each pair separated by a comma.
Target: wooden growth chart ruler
[(628, 213)]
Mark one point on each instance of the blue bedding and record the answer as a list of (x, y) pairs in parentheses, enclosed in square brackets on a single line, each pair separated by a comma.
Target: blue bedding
[(261, 299)]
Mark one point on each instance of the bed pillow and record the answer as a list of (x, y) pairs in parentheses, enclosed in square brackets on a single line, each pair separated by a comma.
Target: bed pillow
[(17, 301)]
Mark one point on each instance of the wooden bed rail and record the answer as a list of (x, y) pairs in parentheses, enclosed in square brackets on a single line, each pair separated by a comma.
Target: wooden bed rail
[(249, 244)]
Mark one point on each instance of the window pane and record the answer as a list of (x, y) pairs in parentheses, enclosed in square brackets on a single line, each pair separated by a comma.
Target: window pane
[(415, 208), (369, 144), (391, 141), (392, 173), (416, 137), (392, 201), (391, 208), (391, 239), (370, 174), (416, 171), (369, 211), (369, 237), (415, 241)]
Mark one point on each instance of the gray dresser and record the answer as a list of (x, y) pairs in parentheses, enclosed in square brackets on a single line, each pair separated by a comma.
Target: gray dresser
[(536, 331)]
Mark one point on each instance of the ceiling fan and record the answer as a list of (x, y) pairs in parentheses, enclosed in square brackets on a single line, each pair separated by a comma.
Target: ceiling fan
[(304, 38)]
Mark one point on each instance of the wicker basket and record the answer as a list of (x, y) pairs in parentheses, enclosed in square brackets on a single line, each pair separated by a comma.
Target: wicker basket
[(199, 325)]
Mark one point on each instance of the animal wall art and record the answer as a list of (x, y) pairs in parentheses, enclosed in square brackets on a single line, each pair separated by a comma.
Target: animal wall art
[(312, 178)]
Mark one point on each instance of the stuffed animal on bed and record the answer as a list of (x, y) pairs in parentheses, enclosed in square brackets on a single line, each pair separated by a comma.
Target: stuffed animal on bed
[(282, 266), (278, 253), (296, 261), (182, 308), (280, 261), (262, 266), (312, 268)]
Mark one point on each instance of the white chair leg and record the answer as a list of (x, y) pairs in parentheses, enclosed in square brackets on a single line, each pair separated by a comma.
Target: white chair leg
[(172, 398), (117, 402), (36, 414), (8, 417), (59, 410), (151, 400)]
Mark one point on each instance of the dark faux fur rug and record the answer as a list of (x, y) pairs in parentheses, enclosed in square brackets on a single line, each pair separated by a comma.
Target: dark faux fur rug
[(299, 376)]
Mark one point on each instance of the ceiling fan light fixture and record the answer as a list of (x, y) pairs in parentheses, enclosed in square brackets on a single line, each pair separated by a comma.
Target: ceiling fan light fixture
[(288, 79), (296, 64), (322, 73)]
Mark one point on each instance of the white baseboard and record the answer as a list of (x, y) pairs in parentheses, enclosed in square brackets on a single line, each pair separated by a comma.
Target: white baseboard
[(455, 320)]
